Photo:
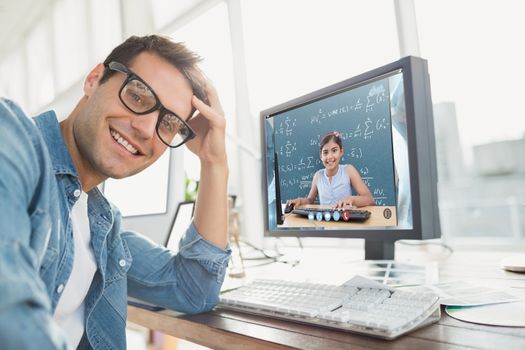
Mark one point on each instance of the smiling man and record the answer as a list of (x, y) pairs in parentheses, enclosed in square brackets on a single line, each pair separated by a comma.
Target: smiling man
[(66, 263)]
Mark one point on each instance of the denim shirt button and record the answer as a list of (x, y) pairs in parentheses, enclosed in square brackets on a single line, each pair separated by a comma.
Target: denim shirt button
[(122, 262), (76, 193), (60, 288)]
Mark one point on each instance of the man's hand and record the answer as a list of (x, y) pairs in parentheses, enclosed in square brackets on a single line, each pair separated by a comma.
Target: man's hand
[(210, 146), (210, 126)]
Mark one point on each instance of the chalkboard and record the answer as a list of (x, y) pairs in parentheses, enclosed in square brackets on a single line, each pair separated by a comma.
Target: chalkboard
[(362, 117)]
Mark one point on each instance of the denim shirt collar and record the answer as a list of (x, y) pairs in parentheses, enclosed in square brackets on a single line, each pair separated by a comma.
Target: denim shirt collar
[(99, 209), (49, 127)]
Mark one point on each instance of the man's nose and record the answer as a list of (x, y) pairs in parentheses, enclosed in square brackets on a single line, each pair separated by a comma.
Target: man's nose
[(145, 124)]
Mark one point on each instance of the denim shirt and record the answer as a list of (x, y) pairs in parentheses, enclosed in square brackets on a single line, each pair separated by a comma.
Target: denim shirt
[(38, 186)]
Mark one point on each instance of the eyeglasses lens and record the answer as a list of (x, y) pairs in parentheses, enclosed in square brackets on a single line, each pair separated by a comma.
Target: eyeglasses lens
[(137, 96)]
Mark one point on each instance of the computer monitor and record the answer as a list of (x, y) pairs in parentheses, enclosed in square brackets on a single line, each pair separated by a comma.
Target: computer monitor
[(385, 123), (181, 222)]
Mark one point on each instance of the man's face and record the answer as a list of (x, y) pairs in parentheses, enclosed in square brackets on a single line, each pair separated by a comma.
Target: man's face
[(113, 141)]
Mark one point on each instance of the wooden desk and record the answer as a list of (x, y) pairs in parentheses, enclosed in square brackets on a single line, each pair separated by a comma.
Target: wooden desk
[(231, 330), (377, 218)]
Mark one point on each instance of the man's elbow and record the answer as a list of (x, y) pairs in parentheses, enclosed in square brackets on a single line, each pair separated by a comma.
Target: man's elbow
[(202, 306)]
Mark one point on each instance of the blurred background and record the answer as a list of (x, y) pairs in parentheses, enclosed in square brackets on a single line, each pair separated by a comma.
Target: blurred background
[(260, 53)]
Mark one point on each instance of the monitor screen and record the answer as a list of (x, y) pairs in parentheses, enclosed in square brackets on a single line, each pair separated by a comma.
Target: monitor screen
[(180, 224), (355, 159)]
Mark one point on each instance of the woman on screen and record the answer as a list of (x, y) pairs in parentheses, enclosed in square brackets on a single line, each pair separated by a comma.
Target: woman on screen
[(334, 183)]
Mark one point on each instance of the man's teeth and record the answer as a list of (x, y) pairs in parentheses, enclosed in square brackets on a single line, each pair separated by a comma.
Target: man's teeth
[(123, 142)]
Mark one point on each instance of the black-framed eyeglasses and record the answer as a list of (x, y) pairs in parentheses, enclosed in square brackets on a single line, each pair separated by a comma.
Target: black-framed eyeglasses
[(140, 99)]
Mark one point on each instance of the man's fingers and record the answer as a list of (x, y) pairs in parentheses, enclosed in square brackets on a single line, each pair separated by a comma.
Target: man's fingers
[(200, 105), (199, 123), (213, 97), (209, 89), (209, 112)]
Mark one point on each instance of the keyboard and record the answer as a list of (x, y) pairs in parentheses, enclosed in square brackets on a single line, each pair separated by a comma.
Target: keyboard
[(379, 311), (333, 214)]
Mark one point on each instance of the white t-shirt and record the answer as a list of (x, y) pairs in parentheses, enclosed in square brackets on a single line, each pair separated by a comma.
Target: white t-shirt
[(69, 313)]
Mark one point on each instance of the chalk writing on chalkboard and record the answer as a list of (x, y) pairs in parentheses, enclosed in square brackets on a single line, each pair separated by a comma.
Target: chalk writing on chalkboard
[(362, 117)]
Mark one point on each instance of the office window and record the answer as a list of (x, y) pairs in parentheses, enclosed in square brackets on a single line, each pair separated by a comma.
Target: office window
[(215, 47), (71, 42), (144, 193), (40, 79), (165, 11), (13, 82), (294, 47), (105, 26), (476, 63)]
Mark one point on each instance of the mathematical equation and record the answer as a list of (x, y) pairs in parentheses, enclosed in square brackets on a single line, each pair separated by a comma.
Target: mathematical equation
[(286, 126), (379, 196), (304, 163), (361, 116), (376, 96), (287, 149), (304, 182), (378, 193), (363, 130), (312, 162)]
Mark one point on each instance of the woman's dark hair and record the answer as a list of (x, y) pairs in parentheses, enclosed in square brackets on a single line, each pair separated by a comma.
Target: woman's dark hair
[(331, 136), (177, 54)]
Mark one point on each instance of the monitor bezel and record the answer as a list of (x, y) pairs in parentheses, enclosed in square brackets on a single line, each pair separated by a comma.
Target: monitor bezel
[(421, 154), (179, 206)]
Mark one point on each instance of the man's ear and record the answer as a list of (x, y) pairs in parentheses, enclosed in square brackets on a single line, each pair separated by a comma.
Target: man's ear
[(92, 79)]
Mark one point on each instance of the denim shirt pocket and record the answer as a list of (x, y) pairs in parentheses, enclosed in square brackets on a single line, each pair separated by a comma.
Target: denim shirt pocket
[(118, 262), (115, 290)]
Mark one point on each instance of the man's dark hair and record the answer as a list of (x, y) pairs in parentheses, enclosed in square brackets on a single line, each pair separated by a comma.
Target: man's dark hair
[(177, 54), (331, 136)]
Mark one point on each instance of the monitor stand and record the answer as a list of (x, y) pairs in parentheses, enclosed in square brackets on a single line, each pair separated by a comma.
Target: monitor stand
[(379, 249)]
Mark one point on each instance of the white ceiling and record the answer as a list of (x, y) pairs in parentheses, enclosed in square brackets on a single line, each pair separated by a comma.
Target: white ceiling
[(16, 18)]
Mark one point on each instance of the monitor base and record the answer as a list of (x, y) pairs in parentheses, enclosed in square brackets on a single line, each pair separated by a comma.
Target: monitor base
[(379, 250)]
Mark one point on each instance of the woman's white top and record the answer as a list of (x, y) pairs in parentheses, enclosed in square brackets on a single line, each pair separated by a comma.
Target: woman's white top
[(330, 191)]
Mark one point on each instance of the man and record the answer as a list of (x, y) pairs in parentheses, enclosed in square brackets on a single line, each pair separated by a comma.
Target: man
[(66, 263)]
